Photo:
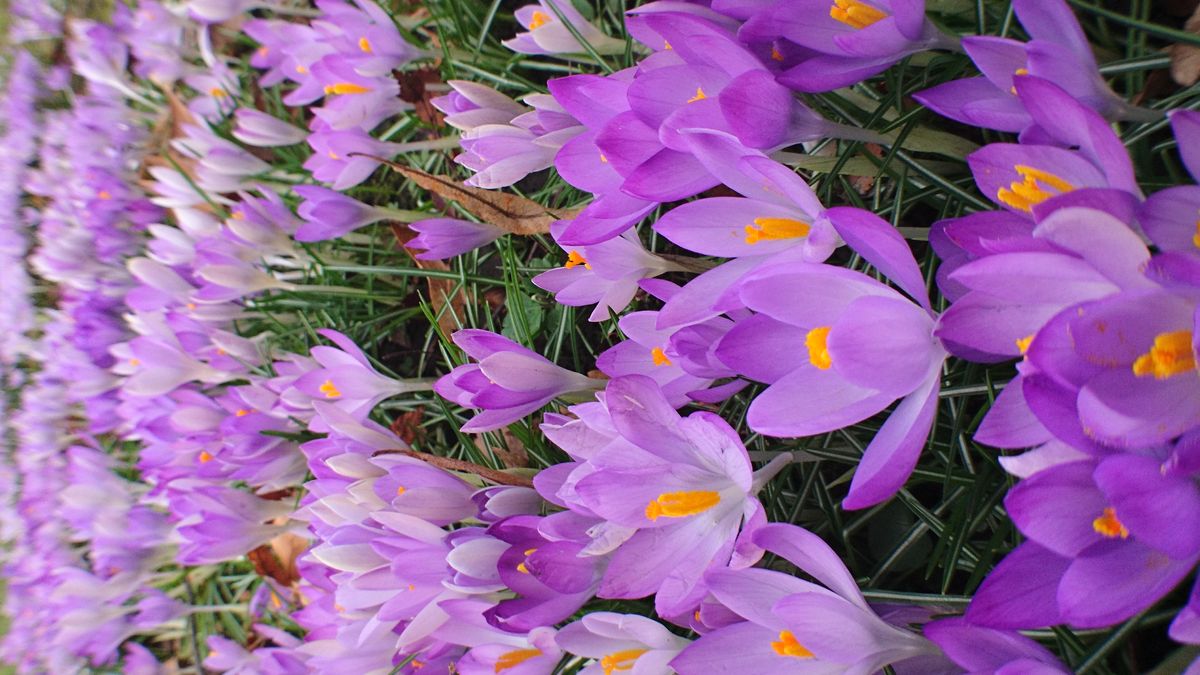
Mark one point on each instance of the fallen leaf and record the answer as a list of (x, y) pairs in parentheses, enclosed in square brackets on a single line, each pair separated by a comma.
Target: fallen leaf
[(408, 425), (1185, 58), (511, 213), (414, 89), (513, 456)]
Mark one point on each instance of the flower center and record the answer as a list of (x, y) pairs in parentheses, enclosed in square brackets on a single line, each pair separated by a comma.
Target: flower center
[(515, 658), (1032, 188), (365, 44), (1107, 525), (218, 92), (855, 14), (538, 20), (775, 228), (1171, 354), (818, 353), (680, 504), (575, 258), (329, 389), (1019, 71), (205, 457), (1196, 237), (700, 96), (787, 645), (521, 567), (660, 357), (622, 660), (1023, 343), (346, 88)]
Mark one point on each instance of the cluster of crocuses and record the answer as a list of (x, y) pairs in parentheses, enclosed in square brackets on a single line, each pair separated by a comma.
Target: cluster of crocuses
[(389, 563)]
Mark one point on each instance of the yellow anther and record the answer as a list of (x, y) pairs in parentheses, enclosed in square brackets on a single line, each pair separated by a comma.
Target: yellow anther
[(667, 45), (218, 92), (205, 457), (135, 362), (700, 96), (818, 352), (515, 658), (1171, 354), (660, 357), (264, 50), (302, 70), (333, 155), (104, 194), (1107, 525), (365, 44), (275, 600), (400, 489), (1023, 343), (575, 258), (1196, 237), (775, 228), (522, 568), (538, 20), (191, 306), (680, 504), (346, 88), (787, 645), (329, 389), (1019, 71), (242, 412), (1031, 190), (776, 55), (604, 160), (855, 14), (238, 215), (622, 660)]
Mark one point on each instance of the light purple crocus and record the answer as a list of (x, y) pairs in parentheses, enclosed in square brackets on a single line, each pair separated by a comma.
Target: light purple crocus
[(546, 33), (508, 382), (329, 214), (796, 626), (865, 346), (619, 642), (1127, 524), (1058, 52), (470, 105), (261, 130), (987, 650), (441, 238), (674, 492), (853, 39)]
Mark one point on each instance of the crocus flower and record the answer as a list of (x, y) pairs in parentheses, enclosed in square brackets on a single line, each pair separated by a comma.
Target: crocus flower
[(1126, 524), (1058, 52), (978, 649), (1167, 215), (502, 154), (265, 131), (547, 33), (441, 238), (853, 39), (676, 489), (796, 626), (604, 274), (470, 105), (852, 327), (329, 214), (508, 382), (618, 642)]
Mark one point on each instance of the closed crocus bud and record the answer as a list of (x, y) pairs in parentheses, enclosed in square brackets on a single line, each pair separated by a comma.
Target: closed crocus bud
[(442, 238), (216, 11), (329, 214), (265, 131)]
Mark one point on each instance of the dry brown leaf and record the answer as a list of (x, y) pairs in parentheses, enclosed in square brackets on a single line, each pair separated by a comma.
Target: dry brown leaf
[(1185, 59), (408, 425), (511, 213), (447, 298), (514, 457), (414, 89)]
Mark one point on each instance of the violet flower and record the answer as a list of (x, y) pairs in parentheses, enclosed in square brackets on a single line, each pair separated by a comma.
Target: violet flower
[(979, 649), (619, 642), (1167, 216), (441, 238), (853, 39), (547, 34), (508, 382), (852, 327), (265, 131), (329, 214), (1058, 52)]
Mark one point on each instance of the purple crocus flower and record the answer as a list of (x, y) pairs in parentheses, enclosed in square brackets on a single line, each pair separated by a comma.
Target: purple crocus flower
[(502, 154), (261, 130), (604, 274), (1127, 524), (547, 34), (796, 626), (508, 382), (329, 214), (620, 642), (471, 105), (852, 328), (441, 238), (853, 39), (674, 492), (987, 650), (1058, 52), (1168, 216)]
